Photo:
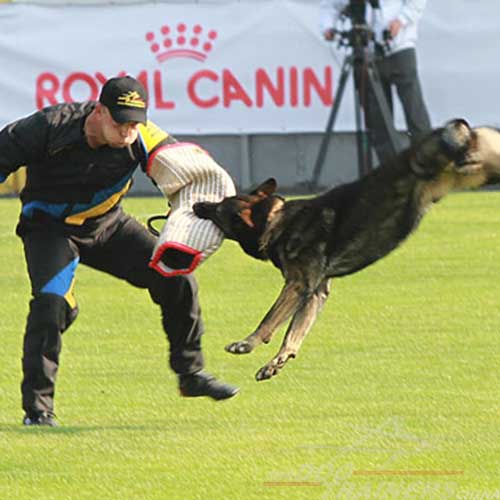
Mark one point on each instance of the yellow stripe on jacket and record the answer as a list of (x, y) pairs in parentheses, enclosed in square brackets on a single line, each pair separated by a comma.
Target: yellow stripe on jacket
[(151, 135), (69, 297), (102, 208)]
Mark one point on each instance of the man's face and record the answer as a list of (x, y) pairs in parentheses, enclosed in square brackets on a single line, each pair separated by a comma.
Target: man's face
[(117, 135)]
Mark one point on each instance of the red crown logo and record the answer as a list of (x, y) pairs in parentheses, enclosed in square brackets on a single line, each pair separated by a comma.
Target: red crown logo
[(181, 42)]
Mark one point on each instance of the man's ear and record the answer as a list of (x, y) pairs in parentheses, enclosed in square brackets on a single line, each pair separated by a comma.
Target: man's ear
[(99, 110), (102, 111)]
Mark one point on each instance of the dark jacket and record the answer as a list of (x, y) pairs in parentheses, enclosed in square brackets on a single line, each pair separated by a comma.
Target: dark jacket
[(66, 179)]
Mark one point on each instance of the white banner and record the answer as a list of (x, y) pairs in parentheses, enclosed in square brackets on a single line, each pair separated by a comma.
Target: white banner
[(233, 67)]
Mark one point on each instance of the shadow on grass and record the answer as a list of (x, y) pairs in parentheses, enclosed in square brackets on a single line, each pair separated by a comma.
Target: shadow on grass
[(73, 429)]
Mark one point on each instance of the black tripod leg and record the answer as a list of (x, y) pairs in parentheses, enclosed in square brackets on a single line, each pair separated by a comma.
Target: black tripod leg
[(383, 109), (346, 68), (362, 139)]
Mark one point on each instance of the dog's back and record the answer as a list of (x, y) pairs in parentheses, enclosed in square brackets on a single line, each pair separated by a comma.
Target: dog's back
[(356, 223)]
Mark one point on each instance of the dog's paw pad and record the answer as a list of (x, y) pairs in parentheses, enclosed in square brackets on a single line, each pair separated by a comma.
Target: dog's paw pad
[(266, 372), (262, 374), (242, 347)]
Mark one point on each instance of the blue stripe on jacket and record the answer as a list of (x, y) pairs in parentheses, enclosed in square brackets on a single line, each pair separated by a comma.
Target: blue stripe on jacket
[(57, 210), (61, 282)]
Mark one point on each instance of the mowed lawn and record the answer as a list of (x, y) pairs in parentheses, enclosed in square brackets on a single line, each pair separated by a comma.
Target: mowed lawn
[(395, 393)]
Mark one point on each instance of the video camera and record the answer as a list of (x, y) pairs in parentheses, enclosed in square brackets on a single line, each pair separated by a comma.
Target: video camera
[(356, 10), (360, 34)]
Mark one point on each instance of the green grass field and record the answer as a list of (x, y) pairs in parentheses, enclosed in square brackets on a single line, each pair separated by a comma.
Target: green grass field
[(394, 395)]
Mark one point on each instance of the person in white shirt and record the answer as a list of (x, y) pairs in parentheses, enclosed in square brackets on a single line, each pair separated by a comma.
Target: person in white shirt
[(394, 24)]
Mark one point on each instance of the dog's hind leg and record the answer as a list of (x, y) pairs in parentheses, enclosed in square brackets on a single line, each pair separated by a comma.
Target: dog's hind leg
[(287, 303), (299, 327)]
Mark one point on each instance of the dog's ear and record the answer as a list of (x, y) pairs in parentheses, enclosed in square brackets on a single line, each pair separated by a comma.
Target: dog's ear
[(455, 122), (456, 136), (267, 188)]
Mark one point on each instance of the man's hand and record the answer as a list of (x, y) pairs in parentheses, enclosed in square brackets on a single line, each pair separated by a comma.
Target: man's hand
[(394, 26), (329, 34)]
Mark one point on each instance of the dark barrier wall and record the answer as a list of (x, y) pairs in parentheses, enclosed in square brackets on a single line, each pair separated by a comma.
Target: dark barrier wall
[(290, 158)]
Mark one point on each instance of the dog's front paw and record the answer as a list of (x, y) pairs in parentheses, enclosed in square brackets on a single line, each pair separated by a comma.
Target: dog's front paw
[(266, 372), (274, 366), (241, 347)]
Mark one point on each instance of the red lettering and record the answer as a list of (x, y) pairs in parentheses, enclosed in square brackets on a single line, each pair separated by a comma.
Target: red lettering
[(193, 94), (79, 77), (324, 92), (263, 82), (159, 102), (47, 85), (294, 87), (143, 78), (274, 88), (101, 78), (233, 91)]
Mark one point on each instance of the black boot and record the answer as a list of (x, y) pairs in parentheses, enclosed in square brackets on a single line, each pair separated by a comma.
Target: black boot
[(204, 384), (45, 419)]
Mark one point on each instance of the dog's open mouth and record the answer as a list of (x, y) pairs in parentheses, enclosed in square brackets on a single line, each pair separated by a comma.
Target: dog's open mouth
[(469, 168)]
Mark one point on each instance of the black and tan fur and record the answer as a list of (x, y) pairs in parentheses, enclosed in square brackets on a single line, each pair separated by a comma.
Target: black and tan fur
[(347, 228)]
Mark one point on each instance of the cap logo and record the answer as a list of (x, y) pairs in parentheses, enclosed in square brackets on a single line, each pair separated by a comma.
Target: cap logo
[(131, 99)]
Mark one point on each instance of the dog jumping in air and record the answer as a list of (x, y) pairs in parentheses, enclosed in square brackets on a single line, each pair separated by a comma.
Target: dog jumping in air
[(348, 227)]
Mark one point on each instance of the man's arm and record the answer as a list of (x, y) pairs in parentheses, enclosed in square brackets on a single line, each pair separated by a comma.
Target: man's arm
[(329, 14), (411, 11), (21, 142)]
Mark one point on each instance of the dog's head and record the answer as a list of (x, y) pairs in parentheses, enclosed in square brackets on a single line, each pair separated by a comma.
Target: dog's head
[(244, 217), (481, 163), (444, 147), (471, 157)]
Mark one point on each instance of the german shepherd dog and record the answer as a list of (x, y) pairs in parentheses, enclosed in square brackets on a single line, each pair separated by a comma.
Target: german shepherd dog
[(347, 228)]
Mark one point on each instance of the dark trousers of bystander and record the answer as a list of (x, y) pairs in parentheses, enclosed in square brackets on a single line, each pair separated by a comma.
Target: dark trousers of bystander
[(397, 71)]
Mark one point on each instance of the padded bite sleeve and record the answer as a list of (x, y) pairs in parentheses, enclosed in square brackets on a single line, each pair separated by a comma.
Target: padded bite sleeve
[(186, 174)]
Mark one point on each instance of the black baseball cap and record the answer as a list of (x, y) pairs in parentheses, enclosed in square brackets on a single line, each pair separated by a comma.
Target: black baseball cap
[(126, 99)]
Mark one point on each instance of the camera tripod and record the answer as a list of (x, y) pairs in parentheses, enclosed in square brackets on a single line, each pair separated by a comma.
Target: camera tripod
[(361, 63)]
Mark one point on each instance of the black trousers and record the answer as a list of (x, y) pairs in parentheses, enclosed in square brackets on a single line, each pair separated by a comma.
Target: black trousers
[(398, 70), (123, 249)]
